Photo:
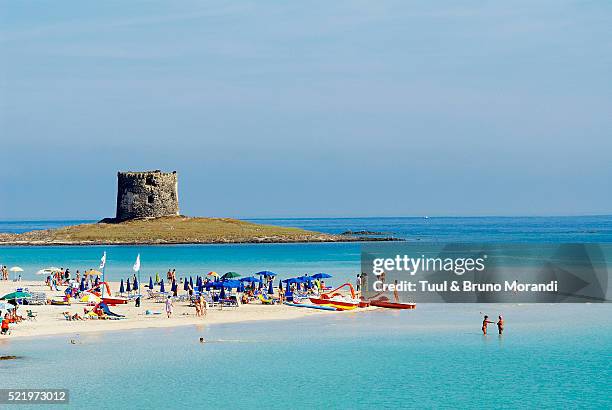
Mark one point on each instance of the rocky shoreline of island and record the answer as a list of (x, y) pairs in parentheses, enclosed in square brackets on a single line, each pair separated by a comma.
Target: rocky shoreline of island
[(178, 230)]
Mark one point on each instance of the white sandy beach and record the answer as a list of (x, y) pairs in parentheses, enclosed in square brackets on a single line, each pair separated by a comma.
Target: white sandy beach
[(51, 321)]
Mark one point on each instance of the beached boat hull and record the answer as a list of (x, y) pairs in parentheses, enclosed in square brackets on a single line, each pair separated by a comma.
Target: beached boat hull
[(392, 305), (303, 305), (115, 301)]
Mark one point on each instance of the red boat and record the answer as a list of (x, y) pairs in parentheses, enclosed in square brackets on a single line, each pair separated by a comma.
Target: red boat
[(337, 300), (392, 305)]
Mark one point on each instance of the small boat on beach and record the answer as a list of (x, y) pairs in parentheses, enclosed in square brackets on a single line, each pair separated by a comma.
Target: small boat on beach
[(306, 305), (392, 305), (337, 300)]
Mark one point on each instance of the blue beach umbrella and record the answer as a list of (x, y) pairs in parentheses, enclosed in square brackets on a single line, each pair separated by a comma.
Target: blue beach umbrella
[(191, 282), (222, 294), (200, 287), (82, 287), (150, 283), (185, 285), (173, 288), (128, 286), (161, 286), (271, 288), (135, 284), (207, 286), (250, 279), (266, 273), (321, 276), (121, 287), (199, 281)]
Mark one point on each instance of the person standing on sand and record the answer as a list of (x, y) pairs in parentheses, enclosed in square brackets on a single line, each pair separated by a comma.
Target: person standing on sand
[(485, 322), (169, 306), (198, 307), (500, 324)]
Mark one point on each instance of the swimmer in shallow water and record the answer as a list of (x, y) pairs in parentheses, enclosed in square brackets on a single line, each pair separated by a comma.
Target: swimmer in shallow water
[(500, 324), (485, 322), (202, 340)]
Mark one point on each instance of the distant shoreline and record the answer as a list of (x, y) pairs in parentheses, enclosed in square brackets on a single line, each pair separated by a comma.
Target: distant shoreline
[(178, 230)]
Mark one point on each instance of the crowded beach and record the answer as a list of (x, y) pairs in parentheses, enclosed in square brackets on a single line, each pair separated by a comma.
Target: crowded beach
[(67, 301)]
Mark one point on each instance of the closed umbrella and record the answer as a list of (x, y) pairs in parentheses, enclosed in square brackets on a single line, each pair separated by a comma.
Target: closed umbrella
[(121, 288), (135, 286), (82, 286), (161, 286), (191, 282), (173, 287), (280, 285), (271, 288), (222, 294), (128, 286), (199, 281), (150, 283), (185, 285)]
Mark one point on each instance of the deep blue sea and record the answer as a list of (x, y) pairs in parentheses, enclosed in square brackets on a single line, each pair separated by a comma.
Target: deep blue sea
[(552, 355)]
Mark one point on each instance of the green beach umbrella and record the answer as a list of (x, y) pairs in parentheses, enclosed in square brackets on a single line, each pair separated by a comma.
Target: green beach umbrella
[(230, 275), (16, 295)]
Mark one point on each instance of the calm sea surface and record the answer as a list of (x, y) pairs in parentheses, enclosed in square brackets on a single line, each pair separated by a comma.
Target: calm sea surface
[(552, 356)]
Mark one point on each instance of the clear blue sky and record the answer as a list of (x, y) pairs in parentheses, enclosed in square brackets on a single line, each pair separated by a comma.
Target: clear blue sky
[(315, 108)]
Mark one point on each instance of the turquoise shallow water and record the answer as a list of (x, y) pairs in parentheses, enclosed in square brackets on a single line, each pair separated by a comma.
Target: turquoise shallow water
[(552, 356)]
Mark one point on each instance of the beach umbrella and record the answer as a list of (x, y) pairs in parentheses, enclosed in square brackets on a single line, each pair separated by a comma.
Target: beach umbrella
[(48, 271), (93, 272), (173, 287), (128, 286), (207, 286), (222, 294), (230, 275), (121, 288), (271, 288), (157, 278), (82, 286), (215, 274), (250, 279), (16, 269), (161, 286), (150, 283), (199, 281), (16, 295), (185, 285), (191, 282), (266, 273), (200, 287), (321, 276), (135, 285)]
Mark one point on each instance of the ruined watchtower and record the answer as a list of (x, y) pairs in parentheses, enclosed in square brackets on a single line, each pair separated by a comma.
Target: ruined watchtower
[(147, 194)]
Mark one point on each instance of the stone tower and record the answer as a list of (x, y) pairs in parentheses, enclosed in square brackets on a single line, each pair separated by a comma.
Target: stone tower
[(148, 194)]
